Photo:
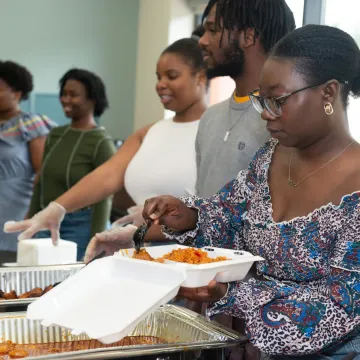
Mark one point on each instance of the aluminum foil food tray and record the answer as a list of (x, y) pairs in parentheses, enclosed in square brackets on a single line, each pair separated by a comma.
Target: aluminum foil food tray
[(182, 329), (23, 279)]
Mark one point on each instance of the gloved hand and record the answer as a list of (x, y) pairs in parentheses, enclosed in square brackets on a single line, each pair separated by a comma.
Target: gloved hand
[(135, 217), (49, 218), (110, 241)]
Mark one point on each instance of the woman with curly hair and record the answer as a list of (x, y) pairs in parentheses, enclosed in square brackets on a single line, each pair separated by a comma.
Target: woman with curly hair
[(22, 138), (73, 151)]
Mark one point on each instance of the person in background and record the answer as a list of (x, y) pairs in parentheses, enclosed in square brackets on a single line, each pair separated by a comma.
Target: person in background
[(297, 206), (22, 138), (181, 87), (238, 35), (141, 165), (71, 153)]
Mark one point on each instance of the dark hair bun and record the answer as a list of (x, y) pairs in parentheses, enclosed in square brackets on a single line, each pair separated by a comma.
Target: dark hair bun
[(321, 53), (190, 51)]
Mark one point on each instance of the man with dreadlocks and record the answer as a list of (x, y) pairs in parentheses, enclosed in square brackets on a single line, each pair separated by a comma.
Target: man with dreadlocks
[(238, 35)]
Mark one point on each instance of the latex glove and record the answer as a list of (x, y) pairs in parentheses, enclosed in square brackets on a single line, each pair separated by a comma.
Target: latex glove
[(135, 217), (110, 241), (49, 218)]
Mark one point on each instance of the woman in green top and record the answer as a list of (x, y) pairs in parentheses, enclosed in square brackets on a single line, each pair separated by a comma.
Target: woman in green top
[(72, 152)]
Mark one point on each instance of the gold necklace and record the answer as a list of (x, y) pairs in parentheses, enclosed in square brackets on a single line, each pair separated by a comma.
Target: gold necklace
[(294, 184)]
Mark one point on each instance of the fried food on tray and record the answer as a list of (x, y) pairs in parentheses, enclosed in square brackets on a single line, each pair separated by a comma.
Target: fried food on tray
[(37, 292), (17, 351), (6, 347), (10, 295), (33, 293), (188, 255)]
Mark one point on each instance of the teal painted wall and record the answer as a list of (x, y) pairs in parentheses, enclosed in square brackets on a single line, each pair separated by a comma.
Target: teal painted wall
[(51, 36)]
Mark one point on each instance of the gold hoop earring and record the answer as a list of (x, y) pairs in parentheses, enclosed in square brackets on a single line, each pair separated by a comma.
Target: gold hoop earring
[(328, 108)]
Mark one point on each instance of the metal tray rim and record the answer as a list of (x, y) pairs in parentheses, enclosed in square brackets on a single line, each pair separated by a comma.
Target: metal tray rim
[(177, 310), (27, 269), (131, 351), (40, 267)]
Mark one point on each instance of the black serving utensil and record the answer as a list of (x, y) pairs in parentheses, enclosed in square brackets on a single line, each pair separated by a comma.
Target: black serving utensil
[(139, 235)]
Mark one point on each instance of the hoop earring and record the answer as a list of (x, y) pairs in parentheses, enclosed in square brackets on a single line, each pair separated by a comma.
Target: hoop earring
[(328, 108)]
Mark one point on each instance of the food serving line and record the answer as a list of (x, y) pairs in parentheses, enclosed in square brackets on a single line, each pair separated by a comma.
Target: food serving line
[(117, 297)]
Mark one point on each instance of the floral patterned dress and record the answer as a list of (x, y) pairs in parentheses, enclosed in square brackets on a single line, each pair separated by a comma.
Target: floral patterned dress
[(310, 298)]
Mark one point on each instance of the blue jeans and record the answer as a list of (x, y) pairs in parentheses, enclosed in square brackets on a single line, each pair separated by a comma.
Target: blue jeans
[(75, 227), (336, 353)]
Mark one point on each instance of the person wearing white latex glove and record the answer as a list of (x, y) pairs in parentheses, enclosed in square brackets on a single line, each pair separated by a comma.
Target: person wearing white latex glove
[(110, 241), (49, 218), (134, 217)]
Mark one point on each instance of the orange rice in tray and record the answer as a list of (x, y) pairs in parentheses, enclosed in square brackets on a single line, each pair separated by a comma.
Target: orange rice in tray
[(144, 255), (188, 255), (192, 256)]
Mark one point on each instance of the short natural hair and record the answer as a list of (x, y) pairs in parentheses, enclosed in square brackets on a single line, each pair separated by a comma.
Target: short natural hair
[(94, 86), (17, 77), (190, 51), (322, 53)]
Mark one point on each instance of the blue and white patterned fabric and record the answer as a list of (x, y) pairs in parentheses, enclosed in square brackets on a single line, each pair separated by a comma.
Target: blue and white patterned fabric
[(310, 298)]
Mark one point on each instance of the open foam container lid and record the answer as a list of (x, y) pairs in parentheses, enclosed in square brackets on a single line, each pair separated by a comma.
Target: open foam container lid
[(108, 298)]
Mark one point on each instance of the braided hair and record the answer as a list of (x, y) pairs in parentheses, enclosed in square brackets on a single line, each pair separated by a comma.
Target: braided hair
[(17, 77), (271, 19), (322, 53)]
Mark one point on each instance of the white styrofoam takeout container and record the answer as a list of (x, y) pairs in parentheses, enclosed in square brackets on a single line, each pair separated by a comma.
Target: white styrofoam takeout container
[(108, 298), (200, 275), (39, 252)]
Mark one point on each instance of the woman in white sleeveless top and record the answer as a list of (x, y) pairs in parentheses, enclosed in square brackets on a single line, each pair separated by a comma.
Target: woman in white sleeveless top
[(149, 171)]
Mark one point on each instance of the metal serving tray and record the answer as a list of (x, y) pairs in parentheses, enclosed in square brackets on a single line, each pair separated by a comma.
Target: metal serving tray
[(23, 279), (182, 329)]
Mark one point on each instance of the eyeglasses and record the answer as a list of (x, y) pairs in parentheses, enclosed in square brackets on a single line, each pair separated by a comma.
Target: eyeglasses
[(273, 104)]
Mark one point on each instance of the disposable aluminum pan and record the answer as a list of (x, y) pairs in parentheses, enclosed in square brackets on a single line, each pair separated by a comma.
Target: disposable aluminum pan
[(23, 279), (182, 329)]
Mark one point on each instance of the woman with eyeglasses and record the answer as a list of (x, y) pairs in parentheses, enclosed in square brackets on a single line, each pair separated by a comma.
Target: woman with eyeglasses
[(297, 206)]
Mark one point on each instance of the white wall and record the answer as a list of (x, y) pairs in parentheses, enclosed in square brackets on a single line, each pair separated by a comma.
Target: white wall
[(161, 22), (181, 24), (50, 36), (152, 39), (181, 20)]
